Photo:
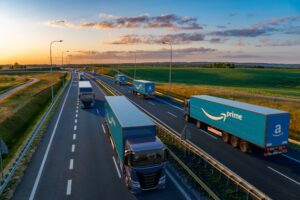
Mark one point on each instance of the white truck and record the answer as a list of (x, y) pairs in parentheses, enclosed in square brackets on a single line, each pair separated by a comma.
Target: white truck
[(86, 94)]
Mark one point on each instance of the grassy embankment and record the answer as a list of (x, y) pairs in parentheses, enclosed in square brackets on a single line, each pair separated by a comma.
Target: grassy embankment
[(255, 86), (10, 81), (20, 111)]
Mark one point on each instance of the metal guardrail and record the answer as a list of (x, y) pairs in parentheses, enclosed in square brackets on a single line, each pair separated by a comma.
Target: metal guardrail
[(250, 189), (27, 145)]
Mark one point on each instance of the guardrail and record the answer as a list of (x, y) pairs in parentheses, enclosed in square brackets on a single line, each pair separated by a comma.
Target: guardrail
[(241, 184), (27, 145)]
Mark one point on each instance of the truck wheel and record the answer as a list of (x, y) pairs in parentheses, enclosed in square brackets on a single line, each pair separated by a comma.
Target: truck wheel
[(186, 118), (234, 141), (198, 124), (244, 146), (225, 137)]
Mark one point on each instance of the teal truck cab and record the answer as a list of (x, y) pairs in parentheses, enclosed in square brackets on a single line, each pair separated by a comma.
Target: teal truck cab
[(140, 153), (120, 79)]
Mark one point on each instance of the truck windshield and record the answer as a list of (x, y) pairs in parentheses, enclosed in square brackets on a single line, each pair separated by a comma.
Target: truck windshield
[(148, 158), (85, 90)]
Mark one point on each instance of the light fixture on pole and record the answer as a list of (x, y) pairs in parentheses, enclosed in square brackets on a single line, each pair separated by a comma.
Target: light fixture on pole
[(170, 70)]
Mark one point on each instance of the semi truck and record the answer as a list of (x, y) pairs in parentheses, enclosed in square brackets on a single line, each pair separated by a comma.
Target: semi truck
[(140, 153), (142, 87), (240, 124), (86, 94), (120, 79), (81, 76)]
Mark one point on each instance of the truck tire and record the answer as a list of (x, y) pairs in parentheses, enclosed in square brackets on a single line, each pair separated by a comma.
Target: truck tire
[(244, 146), (226, 137), (234, 141), (198, 124), (186, 118)]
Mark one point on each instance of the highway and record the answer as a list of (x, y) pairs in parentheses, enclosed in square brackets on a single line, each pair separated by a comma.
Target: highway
[(75, 160), (277, 176)]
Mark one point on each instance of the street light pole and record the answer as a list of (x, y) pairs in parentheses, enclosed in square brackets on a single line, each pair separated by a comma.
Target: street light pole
[(51, 73), (170, 68), (134, 65), (62, 57)]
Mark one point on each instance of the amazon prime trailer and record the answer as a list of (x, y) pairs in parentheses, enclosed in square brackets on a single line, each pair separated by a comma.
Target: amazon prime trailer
[(142, 87), (240, 124)]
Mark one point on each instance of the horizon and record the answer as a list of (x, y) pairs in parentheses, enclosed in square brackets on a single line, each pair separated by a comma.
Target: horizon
[(107, 33)]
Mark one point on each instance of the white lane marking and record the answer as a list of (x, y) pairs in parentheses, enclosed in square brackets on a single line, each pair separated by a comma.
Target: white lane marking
[(172, 114), (163, 101), (69, 187), (97, 111), (103, 129), (119, 174), (75, 121), (77, 107), (77, 111), (37, 180), (289, 157), (285, 176), (184, 194), (73, 148), (74, 136), (209, 134), (71, 167), (152, 103), (76, 115), (75, 127)]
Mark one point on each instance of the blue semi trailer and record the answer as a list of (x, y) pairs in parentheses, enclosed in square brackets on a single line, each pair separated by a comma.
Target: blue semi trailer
[(120, 79), (241, 124), (142, 87), (140, 153)]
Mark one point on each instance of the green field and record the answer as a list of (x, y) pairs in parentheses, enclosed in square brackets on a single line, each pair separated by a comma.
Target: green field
[(10, 81), (279, 82)]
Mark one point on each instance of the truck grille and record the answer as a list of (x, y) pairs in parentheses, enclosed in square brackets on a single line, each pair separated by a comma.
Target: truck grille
[(150, 180)]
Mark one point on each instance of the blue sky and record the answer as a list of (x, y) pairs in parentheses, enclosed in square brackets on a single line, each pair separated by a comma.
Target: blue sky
[(101, 31)]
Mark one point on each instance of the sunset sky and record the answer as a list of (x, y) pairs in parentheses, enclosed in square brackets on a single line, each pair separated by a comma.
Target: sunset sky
[(103, 31)]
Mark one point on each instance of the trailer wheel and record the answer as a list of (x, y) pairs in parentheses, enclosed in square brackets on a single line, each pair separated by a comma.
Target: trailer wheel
[(244, 146), (198, 124), (186, 118), (234, 141), (226, 137)]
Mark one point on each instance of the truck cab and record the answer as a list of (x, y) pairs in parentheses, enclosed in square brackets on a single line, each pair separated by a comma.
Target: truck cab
[(186, 110), (120, 79), (86, 94), (144, 163)]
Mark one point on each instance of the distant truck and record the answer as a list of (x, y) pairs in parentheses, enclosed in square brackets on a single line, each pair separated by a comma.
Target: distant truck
[(145, 88), (86, 94), (140, 153), (241, 124), (81, 76), (120, 79)]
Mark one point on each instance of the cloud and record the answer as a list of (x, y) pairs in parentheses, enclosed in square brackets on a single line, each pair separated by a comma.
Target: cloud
[(170, 21), (180, 38), (264, 28), (265, 42), (243, 56)]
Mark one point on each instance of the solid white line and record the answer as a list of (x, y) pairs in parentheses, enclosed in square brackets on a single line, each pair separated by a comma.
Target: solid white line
[(37, 180), (284, 175), (172, 114), (71, 167), (119, 174), (103, 129), (73, 148), (184, 194), (289, 157), (152, 103), (69, 187), (208, 134), (163, 101), (97, 111), (75, 128), (74, 136), (75, 121)]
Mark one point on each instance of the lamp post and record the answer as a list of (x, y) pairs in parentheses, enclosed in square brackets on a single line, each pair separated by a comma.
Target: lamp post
[(51, 73), (134, 65), (62, 57), (170, 70)]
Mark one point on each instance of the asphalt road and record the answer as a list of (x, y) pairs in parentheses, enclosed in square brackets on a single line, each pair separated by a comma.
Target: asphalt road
[(277, 176), (75, 159)]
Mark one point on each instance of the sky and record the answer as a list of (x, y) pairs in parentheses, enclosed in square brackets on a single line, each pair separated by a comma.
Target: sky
[(118, 31)]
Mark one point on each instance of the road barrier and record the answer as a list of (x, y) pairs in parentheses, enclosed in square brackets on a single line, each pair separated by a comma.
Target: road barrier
[(228, 184), (8, 176)]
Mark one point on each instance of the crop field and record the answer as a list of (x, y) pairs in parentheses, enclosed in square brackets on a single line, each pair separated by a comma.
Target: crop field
[(20, 110), (255, 86), (9, 81)]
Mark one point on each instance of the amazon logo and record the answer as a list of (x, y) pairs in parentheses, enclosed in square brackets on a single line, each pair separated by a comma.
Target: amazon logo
[(111, 120), (223, 116)]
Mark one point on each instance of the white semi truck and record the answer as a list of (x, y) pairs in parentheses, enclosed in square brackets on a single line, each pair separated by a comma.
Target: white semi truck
[(86, 94)]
